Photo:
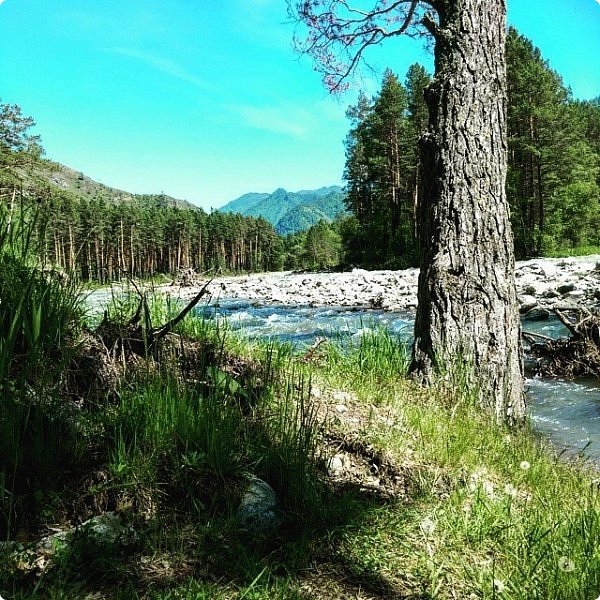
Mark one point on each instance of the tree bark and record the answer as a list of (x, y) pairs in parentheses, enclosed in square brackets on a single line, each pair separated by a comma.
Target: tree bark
[(467, 306)]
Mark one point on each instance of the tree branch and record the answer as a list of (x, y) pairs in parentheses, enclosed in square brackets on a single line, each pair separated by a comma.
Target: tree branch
[(338, 33)]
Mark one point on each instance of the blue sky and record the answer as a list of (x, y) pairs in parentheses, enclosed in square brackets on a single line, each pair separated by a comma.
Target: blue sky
[(205, 99)]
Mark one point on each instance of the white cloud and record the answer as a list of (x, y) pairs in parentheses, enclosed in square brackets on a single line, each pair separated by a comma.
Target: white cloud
[(285, 120), (163, 65)]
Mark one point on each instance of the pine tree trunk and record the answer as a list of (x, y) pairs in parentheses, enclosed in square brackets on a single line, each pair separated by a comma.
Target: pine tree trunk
[(467, 303)]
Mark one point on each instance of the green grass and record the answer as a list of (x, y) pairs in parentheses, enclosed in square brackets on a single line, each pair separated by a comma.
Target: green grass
[(484, 511), (40, 315), (489, 504)]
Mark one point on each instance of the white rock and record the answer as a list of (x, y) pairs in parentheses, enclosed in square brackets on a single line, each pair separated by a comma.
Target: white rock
[(259, 511), (335, 465), (527, 303), (575, 294)]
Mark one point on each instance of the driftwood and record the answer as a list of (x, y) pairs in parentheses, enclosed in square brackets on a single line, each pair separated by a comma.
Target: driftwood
[(574, 356), (138, 335)]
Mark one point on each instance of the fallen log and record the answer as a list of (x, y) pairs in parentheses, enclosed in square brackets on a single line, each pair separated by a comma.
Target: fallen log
[(575, 356)]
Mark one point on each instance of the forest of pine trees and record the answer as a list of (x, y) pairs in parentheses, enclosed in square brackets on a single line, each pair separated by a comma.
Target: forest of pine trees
[(105, 241), (553, 182)]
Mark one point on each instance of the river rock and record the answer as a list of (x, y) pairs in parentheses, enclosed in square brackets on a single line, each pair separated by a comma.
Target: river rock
[(259, 511), (565, 288), (527, 303), (544, 279), (549, 270), (574, 295)]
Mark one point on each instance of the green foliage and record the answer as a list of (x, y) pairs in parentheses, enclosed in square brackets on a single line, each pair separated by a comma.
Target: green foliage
[(553, 175), (18, 148), (482, 511), (494, 513), (320, 247), (553, 182), (39, 317), (198, 429), (102, 241)]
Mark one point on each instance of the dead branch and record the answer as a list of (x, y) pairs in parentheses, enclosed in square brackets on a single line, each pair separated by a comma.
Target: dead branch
[(310, 353), (575, 356), (565, 321), (533, 337), (156, 334)]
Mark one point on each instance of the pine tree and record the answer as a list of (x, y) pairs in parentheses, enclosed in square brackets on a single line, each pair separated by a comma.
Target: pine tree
[(552, 176)]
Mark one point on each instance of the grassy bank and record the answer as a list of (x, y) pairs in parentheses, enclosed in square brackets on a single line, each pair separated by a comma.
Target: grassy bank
[(385, 489)]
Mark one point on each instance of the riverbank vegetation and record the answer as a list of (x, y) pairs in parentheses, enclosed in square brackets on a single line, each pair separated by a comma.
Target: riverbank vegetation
[(124, 464)]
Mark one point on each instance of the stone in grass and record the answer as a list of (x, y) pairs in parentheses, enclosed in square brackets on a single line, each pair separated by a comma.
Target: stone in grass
[(259, 512), (110, 528), (335, 465)]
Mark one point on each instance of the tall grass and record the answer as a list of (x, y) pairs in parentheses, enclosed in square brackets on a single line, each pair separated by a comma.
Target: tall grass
[(380, 358), (214, 434), (39, 314)]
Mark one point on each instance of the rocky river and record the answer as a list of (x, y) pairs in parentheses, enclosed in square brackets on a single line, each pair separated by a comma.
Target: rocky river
[(541, 284)]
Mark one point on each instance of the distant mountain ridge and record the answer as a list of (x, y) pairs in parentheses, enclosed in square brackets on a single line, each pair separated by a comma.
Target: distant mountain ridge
[(290, 212)]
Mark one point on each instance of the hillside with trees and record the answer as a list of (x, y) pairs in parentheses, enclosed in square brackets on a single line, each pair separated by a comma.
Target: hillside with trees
[(102, 234)]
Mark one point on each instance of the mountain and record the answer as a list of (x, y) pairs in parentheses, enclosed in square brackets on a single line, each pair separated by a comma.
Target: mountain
[(290, 212), (244, 203), (75, 182)]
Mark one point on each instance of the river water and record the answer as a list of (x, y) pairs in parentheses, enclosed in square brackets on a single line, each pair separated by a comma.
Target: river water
[(568, 412)]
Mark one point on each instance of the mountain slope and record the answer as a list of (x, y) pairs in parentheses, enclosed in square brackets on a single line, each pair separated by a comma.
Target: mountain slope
[(75, 182), (290, 212), (244, 203)]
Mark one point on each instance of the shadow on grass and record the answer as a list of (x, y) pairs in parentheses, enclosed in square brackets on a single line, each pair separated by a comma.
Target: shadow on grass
[(196, 446), (176, 552)]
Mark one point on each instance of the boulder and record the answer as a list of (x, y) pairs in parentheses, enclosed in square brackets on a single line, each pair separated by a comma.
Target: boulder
[(259, 512), (565, 288)]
